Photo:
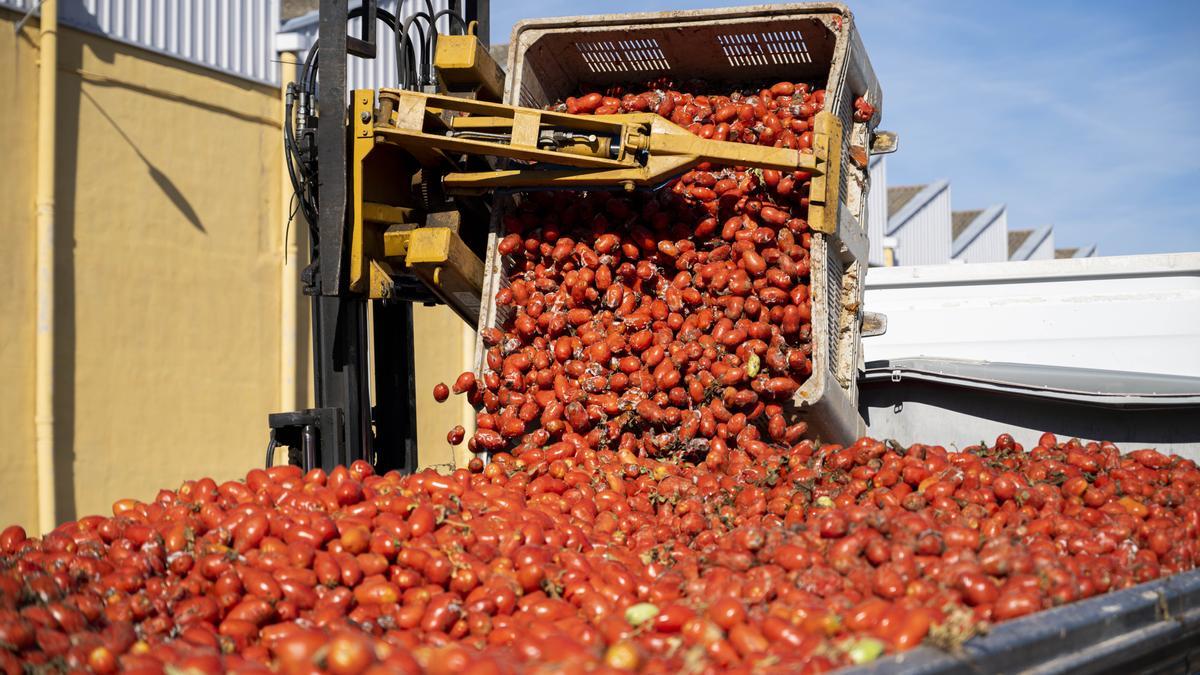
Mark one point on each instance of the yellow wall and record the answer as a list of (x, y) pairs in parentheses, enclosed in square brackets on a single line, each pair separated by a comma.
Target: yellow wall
[(444, 348), (168, 279), (167, 273), (18, 82), (175, 273)]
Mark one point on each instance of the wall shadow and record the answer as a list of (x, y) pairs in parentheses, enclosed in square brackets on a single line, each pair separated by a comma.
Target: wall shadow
[(161, 179)]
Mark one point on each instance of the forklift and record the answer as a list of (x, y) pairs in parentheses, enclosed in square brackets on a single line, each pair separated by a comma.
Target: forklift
[(398, 186)]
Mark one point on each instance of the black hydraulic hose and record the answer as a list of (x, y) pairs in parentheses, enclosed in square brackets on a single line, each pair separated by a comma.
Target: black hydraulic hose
[(293, 160), (271, 445), (430, 43), (308, 74), (454, 16), (407, 49)]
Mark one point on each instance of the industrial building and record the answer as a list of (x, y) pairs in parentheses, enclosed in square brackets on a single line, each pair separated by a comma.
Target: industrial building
[(916, 225)]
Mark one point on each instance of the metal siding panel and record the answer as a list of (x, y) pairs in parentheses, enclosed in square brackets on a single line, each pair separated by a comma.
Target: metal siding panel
[(270, 21), (992, 242), (245, 46), (235, 27), (982, 249), (234, 36), (223, 35), (151, 16), (205, 45), (212, 45), (185, 45), (232, 20), (127, 20), (991, 245), (116, 17), (103, 11), (1045, 250), (262, 55), (249, 37), (170, 18), (946, 235), (925, 238), (147, 16), (877, 212), (968, 253), (999, 247)]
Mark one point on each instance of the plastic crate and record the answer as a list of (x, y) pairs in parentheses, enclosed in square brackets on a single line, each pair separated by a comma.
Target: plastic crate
[(550, 59)]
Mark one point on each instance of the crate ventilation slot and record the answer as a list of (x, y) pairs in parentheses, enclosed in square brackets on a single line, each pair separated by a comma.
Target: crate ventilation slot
[(763, 49), (623, 56)]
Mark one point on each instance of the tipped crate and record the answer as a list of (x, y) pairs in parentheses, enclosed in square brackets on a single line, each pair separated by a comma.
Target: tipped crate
[(550, 59)]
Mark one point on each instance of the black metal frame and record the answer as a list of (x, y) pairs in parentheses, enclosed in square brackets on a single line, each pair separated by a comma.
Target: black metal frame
[(340, 349), (479, 10), (344, 427)]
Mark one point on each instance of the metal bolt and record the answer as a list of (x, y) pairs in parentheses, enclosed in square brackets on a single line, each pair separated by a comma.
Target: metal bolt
[(365, 117)]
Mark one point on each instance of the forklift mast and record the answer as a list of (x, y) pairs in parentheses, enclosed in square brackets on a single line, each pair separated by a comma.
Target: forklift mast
[(344, 426), (403, 212)]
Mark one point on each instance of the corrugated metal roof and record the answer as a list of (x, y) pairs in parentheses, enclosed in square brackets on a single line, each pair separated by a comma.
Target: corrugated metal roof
[(1015, 239), (900, 195), (232, 36), (959, 220)]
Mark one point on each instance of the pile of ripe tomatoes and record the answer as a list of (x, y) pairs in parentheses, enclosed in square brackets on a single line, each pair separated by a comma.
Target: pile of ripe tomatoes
[(596, 560), (648, 504), (669, 323)]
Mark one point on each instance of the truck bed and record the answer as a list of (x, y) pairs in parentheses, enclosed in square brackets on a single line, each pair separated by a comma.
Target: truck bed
[(1095, 348)]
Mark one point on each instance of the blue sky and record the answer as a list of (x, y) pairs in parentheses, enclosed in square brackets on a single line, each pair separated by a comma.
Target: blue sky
[(1083, 115)]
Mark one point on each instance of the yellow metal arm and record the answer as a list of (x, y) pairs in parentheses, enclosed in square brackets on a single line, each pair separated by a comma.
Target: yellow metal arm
[(632, 150), (405, 143)]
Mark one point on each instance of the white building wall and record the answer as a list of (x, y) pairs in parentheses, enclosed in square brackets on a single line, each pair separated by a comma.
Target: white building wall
[(877, 210), (232, 36), (925, 238), (1045, 250), (990, 246)]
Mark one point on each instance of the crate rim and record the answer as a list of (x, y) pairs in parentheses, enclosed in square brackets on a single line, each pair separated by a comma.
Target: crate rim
[(680, 15)]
